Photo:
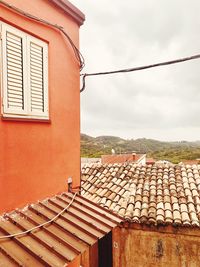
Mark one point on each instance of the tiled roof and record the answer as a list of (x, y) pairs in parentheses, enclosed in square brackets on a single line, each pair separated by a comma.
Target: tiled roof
[(59, 242), (151, 194), (191, 162), (150, 161), (122, 158)]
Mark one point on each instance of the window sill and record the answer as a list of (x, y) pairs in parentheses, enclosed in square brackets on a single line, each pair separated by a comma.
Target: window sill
[(26, 119)]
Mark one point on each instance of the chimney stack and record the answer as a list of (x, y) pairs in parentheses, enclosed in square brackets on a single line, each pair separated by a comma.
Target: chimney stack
[(134, 156)]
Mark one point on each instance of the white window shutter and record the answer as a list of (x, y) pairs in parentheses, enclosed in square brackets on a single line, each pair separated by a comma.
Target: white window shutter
[(38, 77), (14, 95), (24, 74)]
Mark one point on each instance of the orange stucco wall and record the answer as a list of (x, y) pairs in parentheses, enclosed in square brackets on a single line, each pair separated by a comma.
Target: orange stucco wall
[(36, 158), (139, 248)]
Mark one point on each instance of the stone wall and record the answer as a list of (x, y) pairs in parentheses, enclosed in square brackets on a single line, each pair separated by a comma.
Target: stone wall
[(147, 248)]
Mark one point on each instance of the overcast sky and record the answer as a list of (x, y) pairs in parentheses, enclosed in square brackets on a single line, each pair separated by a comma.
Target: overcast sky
[(161, 103)]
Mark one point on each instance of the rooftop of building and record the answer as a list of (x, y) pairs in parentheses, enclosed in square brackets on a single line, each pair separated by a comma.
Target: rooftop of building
[(160, 194), (52, 232)]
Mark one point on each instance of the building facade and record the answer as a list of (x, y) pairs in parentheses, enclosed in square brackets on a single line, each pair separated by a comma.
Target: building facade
[(40, 100)]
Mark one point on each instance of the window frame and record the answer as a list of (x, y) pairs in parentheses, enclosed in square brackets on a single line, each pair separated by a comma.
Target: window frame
[(27, 39)]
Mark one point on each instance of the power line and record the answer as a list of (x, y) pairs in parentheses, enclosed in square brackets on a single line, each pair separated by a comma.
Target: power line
[(76, 51), (137, 68)]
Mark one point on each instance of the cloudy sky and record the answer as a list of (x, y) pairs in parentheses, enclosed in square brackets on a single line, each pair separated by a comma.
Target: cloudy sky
[(161, 103)]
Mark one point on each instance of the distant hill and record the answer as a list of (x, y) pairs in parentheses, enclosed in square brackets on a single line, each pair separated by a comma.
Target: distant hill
[(172, 151)]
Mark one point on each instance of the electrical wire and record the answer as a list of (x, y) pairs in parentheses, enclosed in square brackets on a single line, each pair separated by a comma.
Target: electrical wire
[(137, 68), (76, 51), (41, 225)]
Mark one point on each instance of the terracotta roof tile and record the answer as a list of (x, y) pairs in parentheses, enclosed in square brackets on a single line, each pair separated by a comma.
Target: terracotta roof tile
[(146, 194)]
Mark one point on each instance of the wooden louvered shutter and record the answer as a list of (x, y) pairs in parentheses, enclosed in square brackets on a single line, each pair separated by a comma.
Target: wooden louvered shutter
[(24, 74), (14, 94), (38, 95)]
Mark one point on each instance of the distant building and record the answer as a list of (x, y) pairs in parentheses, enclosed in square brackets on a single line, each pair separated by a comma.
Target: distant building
[(191, 162), (163, 162), (90, 160), (150, 161), (123, 158)]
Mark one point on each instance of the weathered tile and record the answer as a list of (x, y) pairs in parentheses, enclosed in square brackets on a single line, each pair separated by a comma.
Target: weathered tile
[(146, 194)]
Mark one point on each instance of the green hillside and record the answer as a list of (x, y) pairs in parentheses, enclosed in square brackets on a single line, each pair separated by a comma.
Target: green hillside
[(172, 151)]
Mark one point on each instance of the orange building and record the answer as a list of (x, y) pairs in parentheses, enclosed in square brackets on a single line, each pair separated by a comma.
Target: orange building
[(40, 101), (124, 158), (40, 142)]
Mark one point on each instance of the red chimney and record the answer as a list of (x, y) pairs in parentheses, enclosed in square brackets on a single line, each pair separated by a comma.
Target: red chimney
[(134, 156)]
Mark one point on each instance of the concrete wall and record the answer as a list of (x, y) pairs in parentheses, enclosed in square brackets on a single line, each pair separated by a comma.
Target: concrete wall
[(141, 247), (36, 158)]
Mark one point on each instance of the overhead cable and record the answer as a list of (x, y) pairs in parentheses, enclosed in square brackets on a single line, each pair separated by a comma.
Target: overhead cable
[(41, 225), (137, 68), (77, 53)]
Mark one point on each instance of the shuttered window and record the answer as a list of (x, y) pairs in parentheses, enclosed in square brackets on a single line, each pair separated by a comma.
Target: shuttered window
[(24, 74), (15, 93), (36, 67)]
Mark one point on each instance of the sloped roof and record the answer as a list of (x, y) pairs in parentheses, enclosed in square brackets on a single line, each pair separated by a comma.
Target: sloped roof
[(122, 158), (147, 194), (59, 242), (191, 162)]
